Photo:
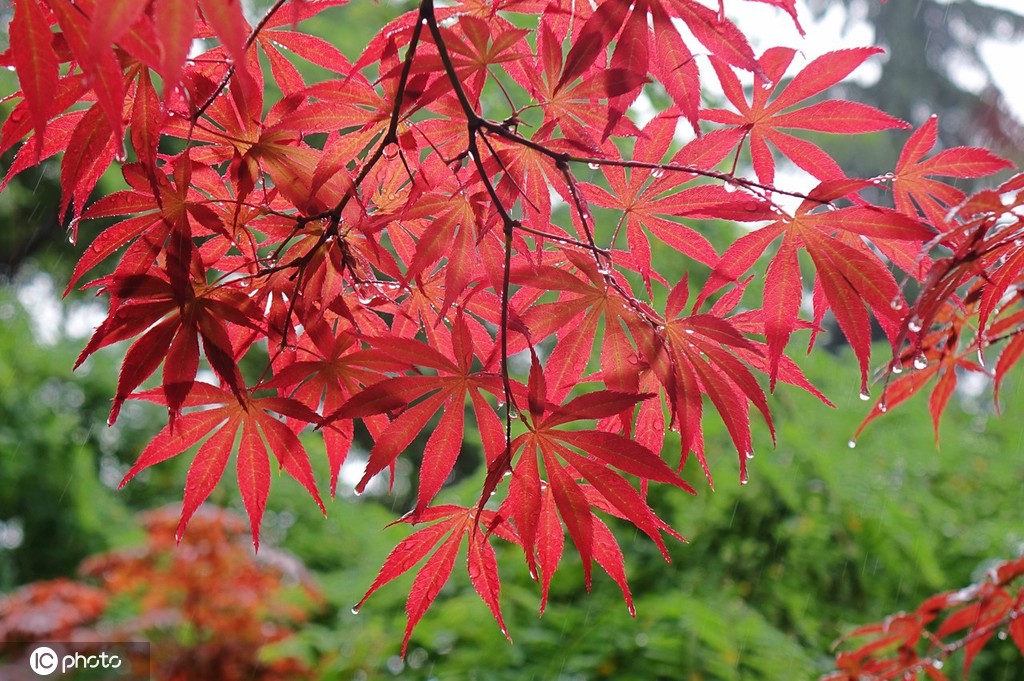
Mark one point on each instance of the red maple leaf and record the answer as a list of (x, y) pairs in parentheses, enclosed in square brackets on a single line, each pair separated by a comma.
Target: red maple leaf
[(761, 121)]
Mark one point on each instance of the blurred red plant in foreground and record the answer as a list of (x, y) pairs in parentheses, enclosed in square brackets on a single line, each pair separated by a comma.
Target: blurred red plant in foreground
[(208, 606)]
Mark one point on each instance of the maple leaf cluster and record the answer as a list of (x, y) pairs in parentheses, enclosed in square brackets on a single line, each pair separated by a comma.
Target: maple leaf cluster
[(909, 645), (472, 190)]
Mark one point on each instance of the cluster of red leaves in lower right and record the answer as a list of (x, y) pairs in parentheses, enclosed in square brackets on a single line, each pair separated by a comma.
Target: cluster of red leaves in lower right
[(907, 645), (208, 606), (967, 319)]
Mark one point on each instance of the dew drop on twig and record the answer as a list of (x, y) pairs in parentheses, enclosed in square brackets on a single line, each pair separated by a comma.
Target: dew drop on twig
[(865, 395)]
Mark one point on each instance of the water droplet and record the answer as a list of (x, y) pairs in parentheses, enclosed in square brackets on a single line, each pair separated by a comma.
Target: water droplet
[(659, 328), (390, 150), (355, 609), (981, 358), (657, 172), (865, 395), (690, 331), (513, 413), (852, 444), (914, 324), (729, 187), (71, 238), (533, 574), (110, 422), (364, 293), (896, 303), (883, 407), (920, 362), (743, 478), (358, 491), (897, 367), (593, 166), (750, 455), (1002, 635), (937, 664), (10, 68)]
